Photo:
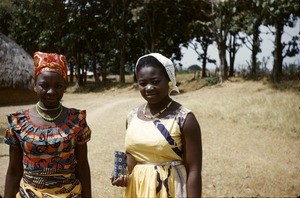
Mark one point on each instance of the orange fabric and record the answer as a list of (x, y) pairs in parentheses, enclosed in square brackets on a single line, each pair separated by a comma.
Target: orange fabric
[(50, 62)]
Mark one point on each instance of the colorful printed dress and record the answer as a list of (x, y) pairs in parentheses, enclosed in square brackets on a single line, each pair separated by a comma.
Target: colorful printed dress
[(49, 158), (157, 147)]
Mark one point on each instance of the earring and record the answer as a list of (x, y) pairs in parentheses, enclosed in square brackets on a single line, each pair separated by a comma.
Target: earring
[(170, 84)]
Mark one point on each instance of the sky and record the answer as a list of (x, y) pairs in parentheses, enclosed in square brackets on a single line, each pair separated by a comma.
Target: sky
[(244, 54)]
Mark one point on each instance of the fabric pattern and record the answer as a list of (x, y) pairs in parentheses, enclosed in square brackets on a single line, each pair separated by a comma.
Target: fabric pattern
[(49, 158), (150, 145), (50, 62)]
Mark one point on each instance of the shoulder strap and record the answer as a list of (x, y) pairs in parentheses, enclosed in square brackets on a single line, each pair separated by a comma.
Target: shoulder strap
[(167, 136)]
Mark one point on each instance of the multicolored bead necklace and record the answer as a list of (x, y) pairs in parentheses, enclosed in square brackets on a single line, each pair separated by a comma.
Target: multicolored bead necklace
[(157, 114), (49, 119)]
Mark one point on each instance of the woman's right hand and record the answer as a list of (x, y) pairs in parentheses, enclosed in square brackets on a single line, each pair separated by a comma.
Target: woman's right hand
[(123, 180), (120, 181)]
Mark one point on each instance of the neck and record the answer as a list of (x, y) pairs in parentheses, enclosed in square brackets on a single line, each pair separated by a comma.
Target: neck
[(160, 105), (48, 109), (157, 111)]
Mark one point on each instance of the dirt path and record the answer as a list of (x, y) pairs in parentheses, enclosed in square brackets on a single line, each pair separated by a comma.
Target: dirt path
[(242, 156)]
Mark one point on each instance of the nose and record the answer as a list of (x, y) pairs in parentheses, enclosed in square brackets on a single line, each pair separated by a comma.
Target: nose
[(51, 91), (149, 87)]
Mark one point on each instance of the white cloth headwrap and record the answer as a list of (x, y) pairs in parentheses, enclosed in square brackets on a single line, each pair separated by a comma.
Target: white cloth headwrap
[(168, 64)]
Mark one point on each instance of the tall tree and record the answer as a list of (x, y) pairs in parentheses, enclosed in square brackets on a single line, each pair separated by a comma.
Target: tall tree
[(233, 47), (121, 16), (222, 14), (281, 13), (253, 15), (199, 32)]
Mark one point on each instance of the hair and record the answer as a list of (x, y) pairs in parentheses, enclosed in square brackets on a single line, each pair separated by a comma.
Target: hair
[(151, 61)]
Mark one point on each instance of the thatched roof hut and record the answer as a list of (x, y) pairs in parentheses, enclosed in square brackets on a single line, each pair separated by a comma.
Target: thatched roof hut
[(16, 65), (194, 68)]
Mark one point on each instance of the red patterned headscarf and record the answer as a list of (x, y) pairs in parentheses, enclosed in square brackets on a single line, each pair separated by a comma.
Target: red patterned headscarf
[(50, 62)]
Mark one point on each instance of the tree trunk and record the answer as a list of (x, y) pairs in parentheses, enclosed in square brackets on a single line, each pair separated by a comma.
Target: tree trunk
[(204, 60), (223, 62), (277, 66), (79, 66), (71, 72), (122, 64), (96, 76), (255, 47), (232, 52), (103, 74)]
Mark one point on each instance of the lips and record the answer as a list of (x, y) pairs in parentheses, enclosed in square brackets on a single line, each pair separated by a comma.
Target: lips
[(150, 95), (51, 100)]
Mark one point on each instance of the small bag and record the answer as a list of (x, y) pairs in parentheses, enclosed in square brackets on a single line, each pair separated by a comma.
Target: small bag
[(120, 165)]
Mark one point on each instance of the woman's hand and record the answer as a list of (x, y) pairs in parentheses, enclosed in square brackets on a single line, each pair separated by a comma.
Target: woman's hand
[(123, 180), (120, 181)]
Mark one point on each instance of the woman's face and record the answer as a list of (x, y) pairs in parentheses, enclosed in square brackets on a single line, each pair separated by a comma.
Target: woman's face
[(153, 83), (50, 87)]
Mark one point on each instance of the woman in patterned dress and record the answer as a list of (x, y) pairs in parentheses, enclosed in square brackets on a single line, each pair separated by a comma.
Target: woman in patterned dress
[(48, 142), (163, 138)]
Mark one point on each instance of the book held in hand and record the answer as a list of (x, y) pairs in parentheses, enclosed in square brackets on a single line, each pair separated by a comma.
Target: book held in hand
[(120, 165)]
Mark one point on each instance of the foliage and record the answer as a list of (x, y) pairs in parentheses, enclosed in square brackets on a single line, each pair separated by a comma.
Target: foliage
[(39, 25), (212, 80), (110, 35), (6, 8), (292, 71), (281, 13)]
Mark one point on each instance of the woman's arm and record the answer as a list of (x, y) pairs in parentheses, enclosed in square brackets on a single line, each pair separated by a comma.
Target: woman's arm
[(192, 148), (123, 179), (83, 170), (14, 172), (131, 162)]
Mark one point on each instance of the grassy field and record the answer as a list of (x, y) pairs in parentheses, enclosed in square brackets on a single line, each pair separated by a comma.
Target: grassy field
[(250, 134)]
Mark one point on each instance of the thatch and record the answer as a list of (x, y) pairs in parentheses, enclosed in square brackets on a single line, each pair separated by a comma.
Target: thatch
[(16, 65)]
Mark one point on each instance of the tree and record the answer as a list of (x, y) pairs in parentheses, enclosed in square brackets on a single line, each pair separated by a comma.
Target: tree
[(222, 14), (121, 16), (6, 9), (39, 25), (253, 15), (235, 38), (199, 32), (281, 13), (158, 25)]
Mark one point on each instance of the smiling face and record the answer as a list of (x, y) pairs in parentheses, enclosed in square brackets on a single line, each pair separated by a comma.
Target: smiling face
[(50, 87), (153, 83)]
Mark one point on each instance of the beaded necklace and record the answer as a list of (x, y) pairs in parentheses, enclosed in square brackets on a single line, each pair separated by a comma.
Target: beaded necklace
[(49, 119), (157, 114)]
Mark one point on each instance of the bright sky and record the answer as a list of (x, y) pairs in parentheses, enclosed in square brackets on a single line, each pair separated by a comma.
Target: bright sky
[(244, 54)]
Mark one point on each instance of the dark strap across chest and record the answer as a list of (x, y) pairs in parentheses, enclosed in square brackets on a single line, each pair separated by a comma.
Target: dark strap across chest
[(167, 136)]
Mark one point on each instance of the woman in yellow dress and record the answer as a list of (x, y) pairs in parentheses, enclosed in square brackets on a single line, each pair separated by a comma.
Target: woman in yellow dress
[(48, 142), (163, 138)]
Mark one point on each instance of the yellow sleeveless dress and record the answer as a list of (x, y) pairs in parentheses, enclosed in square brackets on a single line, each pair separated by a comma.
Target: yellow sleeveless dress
[(157, 147)]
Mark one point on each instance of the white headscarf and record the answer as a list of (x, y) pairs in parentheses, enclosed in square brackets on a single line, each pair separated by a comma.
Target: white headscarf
[(168, 64)]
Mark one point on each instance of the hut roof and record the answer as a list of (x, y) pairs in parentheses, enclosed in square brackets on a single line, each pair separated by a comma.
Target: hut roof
[(16, 65), (194, 68)]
